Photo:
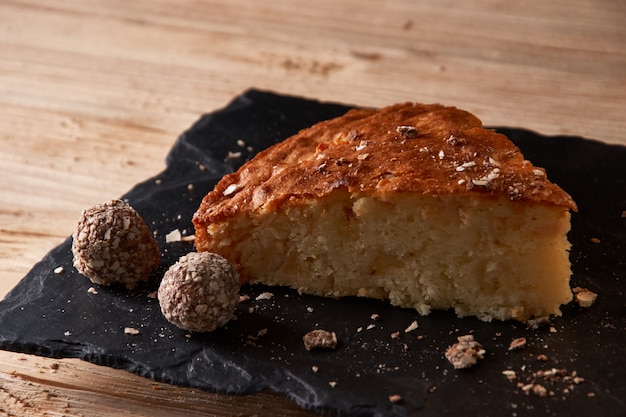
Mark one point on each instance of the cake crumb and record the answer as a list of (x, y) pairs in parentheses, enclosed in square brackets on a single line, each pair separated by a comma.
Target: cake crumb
[(539, 390), (465, 353), (131, 331), (518, 343), (315, 368), (584, 297), (173, 236), (58, 270), (333, 384), (319, 339), (189, 238), (395, 398), (595, 240), (92, 290), (265, 296), (413, 326), (510, 374), (538, 322)]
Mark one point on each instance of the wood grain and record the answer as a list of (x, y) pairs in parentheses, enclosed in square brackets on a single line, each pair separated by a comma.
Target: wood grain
[(93, 95), (35, 386)]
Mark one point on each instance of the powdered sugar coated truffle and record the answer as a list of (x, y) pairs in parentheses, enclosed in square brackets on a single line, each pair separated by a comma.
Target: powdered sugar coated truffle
[(199, 293), (113, 245)]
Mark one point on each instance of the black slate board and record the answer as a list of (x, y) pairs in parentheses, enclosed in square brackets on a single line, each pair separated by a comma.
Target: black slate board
[(54, 314)]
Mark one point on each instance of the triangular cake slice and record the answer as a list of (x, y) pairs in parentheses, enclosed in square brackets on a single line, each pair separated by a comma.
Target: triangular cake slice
[(418, 204)]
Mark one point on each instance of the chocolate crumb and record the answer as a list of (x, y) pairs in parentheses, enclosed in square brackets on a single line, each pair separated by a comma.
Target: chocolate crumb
[(320, 339), (465, 353)]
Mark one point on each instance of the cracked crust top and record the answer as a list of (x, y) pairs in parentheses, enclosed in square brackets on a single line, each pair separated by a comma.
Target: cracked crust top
[(408, 147)]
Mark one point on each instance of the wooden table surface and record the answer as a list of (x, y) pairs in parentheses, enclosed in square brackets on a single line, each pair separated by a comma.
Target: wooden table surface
[(94, 93)]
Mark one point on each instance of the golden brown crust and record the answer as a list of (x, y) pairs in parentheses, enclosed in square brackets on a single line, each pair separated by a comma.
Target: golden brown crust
[(408, 147)]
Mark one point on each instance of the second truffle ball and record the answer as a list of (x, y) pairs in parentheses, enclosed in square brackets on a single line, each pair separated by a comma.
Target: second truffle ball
[(199, 293)]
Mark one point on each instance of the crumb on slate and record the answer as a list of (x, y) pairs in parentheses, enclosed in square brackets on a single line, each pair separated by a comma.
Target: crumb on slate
[(320, 339), (465, 353)]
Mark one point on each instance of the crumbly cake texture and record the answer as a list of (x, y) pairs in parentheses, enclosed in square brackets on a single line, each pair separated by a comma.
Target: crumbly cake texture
[(113, 245), (418, 204), (200, 292)]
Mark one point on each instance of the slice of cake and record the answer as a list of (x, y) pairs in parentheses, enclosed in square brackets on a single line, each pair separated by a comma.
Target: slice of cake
[(418, 204)]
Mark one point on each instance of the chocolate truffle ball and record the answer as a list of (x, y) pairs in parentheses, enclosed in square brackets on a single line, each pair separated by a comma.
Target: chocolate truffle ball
[(200, 292), (113, 245)]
